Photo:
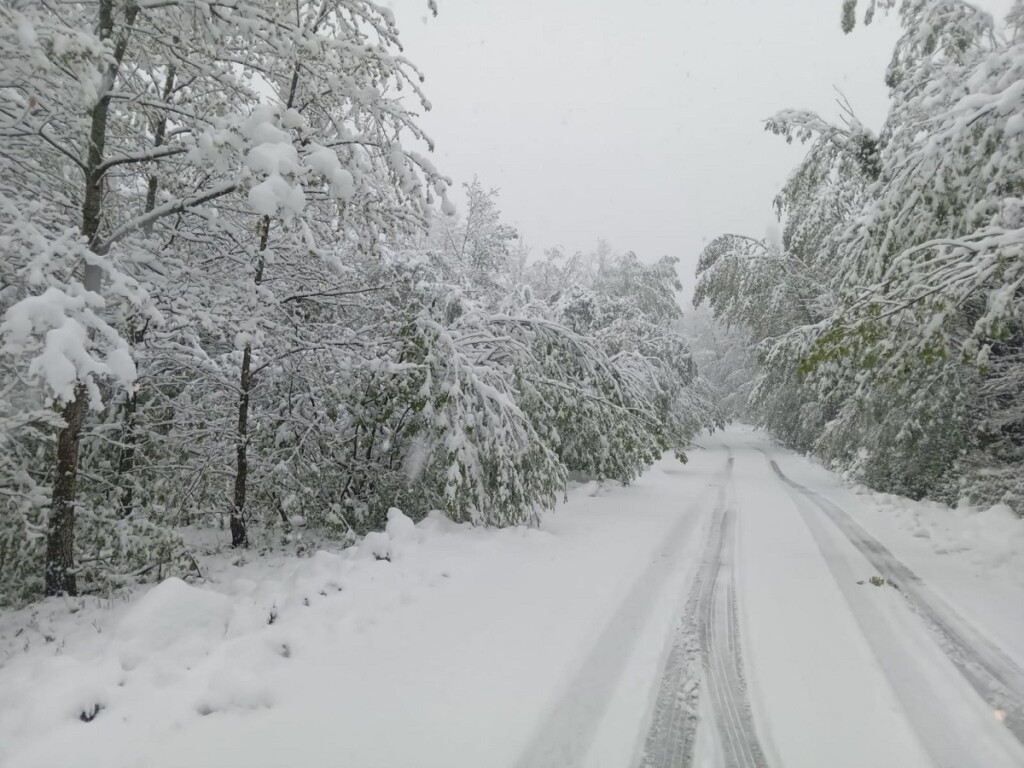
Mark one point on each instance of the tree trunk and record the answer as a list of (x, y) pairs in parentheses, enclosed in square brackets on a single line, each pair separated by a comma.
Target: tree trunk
[(60, 539), (129, 436), (239, 535), (159, 132), (126, 461)]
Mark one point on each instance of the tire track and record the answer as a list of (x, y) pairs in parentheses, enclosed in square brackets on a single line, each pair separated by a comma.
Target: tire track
[(705, 660), (567, 731), (994, 676)]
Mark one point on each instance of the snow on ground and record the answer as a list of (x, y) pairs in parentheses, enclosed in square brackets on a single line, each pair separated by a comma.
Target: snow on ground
[(803, 643), (444, 645), (450, 654), (840, 661), (974, 557)]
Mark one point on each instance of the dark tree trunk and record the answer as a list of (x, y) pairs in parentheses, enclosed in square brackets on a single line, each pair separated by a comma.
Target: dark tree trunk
[(239, 536), (126, 461), (159, 132), (129, 438), (60, 539)]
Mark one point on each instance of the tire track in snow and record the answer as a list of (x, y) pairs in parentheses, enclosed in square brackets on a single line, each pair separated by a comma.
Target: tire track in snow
[(706, 649), (993, 675), (567, 731)]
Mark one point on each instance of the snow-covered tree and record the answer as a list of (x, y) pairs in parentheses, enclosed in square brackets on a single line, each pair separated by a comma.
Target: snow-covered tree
[(903, 252), (725, 359), (149, 139), (235, 294)]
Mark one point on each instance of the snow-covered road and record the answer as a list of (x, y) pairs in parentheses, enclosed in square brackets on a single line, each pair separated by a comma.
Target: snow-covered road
[(843, 671), (720, 613)]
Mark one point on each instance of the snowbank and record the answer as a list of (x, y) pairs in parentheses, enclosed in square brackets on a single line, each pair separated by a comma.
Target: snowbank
[(428, 644)]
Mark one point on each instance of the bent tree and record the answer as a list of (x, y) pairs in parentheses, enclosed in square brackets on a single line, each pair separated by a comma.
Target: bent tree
[(121, 116), (285, 336)]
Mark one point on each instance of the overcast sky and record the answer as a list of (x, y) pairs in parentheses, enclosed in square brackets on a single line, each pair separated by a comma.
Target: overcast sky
[(639, 121)]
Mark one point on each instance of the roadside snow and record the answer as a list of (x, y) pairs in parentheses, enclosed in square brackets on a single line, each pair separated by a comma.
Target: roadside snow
[(973, 557), (438, 644), (436, 634)]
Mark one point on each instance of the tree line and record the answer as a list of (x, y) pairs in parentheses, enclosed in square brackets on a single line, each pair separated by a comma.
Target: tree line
[(235, 293), (883, 329)]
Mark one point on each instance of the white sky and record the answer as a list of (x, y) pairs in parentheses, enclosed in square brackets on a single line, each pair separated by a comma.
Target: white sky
[(639, 121)]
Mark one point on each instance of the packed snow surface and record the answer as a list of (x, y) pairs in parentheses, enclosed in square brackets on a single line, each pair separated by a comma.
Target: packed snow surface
[(435, 644)]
